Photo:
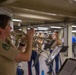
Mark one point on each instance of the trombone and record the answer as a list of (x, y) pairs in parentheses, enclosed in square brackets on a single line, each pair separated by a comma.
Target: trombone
[(17, 38)]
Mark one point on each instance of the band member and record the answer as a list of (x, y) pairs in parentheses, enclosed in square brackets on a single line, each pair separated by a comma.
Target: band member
[(55, 36), (32, 60), (9, 54)]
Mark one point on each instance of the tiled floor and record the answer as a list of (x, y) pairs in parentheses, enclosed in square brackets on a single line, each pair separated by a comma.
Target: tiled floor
[(43, 66)]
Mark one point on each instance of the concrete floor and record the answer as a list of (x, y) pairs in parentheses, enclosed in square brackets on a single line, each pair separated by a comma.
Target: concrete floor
[(43, 66)]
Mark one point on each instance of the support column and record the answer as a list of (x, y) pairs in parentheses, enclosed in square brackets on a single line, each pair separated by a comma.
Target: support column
[(24, 29), (65, 35), (65, 38), (70, 41)]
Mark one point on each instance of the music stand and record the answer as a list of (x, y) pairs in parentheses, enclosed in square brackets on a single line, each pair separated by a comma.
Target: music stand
[(54, 54), (64, 48), (68, 67), (48, 45)]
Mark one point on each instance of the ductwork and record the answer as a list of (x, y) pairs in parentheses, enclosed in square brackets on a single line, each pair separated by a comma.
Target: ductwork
[(6, 11)]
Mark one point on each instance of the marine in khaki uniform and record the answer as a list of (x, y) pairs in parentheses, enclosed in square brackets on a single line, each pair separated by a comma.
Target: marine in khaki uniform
[(9, 54)]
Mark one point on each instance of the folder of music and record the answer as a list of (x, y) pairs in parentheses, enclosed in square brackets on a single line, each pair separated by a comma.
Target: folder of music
[(55, 53), (68, 67)]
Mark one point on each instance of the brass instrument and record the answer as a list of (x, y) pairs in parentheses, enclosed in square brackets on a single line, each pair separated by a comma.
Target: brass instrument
[(17, 38), (43, 38)]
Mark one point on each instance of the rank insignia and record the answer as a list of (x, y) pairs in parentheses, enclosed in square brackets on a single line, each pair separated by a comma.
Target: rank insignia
[(5, 46)]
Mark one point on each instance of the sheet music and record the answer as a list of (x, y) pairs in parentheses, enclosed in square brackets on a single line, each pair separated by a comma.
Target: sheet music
[(74, 73), (69, 68), (54, 53)]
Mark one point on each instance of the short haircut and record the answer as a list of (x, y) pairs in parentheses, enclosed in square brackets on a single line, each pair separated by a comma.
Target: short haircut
[(4, 20)]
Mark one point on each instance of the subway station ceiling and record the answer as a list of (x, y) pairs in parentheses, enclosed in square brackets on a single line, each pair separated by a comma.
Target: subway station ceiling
[(41, 11)]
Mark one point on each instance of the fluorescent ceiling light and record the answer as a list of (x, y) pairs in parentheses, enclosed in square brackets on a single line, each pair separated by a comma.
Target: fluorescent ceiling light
[(42, 28), (35, 29), (55, 27), (74, 31), (17, 20), (73, 26), (20, 29), (28, 28)]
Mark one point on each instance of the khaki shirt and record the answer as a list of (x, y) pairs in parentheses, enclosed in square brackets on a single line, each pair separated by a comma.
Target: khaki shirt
[(8, 54)]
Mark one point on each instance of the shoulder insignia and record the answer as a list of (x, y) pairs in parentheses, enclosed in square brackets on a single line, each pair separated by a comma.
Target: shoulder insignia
[(5, 46)]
